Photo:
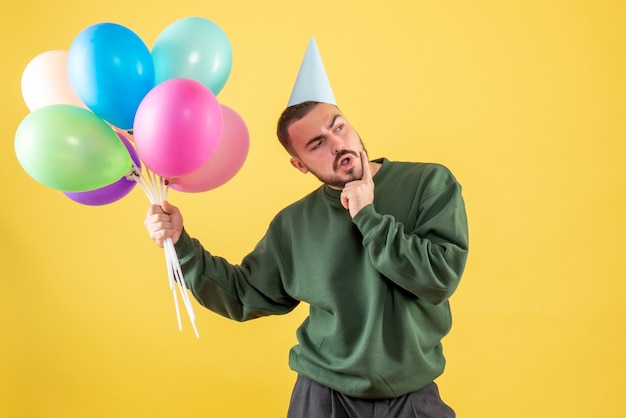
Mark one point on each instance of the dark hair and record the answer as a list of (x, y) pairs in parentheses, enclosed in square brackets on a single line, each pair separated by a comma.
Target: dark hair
[(290, 115)]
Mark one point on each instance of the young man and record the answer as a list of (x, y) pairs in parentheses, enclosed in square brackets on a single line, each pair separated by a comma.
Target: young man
[(376, 252)]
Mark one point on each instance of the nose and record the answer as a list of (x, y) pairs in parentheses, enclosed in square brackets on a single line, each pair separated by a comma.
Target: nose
[(337, 146)]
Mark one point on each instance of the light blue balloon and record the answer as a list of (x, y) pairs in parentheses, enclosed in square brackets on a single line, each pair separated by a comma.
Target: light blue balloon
[(194, 48), (111, 70)]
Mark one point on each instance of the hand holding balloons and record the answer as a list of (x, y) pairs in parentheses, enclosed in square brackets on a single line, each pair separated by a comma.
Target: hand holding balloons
[(109, 82)]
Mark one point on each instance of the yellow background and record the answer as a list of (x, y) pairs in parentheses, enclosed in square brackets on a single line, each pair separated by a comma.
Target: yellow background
[(523, 100)]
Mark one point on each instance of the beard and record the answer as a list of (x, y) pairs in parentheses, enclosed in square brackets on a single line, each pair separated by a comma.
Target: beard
[(339, 181), (335, 182)]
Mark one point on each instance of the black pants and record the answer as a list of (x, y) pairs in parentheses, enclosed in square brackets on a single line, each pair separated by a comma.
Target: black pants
[(312, 400)]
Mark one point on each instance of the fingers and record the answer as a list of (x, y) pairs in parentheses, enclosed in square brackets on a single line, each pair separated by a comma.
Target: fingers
[(163, 222), (168, 208), (165, 207), (154, 210), (359, 193), (365, 163), (157, 233), (345, 200)]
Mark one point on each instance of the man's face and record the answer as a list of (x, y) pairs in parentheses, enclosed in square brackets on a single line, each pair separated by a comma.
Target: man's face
[(325, 144)]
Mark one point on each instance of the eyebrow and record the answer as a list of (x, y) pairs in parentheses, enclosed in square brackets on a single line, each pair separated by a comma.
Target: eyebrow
[(320, 136)]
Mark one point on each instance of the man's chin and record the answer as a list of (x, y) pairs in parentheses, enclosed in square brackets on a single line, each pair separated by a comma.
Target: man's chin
[(333, 183)]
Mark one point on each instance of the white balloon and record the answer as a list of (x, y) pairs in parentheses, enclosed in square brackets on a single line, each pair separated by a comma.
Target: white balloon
[(45, 81)]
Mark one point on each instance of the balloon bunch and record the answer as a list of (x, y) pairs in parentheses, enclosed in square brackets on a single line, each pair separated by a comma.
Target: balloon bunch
[(110, 114)]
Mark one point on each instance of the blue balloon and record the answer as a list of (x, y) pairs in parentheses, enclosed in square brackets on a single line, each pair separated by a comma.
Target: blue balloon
[(111, 70)]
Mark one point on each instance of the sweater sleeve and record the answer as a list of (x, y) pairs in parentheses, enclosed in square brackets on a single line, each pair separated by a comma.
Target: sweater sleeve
[(429, 260), (240, 292)]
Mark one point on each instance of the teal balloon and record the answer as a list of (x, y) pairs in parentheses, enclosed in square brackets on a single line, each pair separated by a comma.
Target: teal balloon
[(69, 148), (194, 48)]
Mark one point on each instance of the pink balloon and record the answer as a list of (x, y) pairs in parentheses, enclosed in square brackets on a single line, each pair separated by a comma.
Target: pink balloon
[(45, 81), (224, 163), (178, 126)]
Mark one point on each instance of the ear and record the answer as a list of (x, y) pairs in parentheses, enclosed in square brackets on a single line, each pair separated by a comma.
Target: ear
[(295, 161)]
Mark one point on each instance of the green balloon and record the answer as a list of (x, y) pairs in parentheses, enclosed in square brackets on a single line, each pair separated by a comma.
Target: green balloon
[(69, 148)]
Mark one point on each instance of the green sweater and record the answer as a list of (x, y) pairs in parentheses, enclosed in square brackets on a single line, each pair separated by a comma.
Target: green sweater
[(377, 285)]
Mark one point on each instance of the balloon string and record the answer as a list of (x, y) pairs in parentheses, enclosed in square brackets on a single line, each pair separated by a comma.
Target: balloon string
[(157, 191)]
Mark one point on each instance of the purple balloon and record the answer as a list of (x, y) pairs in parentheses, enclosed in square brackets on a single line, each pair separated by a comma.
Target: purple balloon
[(113, 192)]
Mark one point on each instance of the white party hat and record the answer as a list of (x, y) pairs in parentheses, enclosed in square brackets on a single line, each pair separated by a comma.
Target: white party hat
[(312, 82)]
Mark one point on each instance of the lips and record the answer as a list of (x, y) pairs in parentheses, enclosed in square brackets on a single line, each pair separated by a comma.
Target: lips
[(344, 160)]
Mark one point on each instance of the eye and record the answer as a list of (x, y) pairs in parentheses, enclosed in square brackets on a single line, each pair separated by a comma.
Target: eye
[(339, 128), (317, 144)]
